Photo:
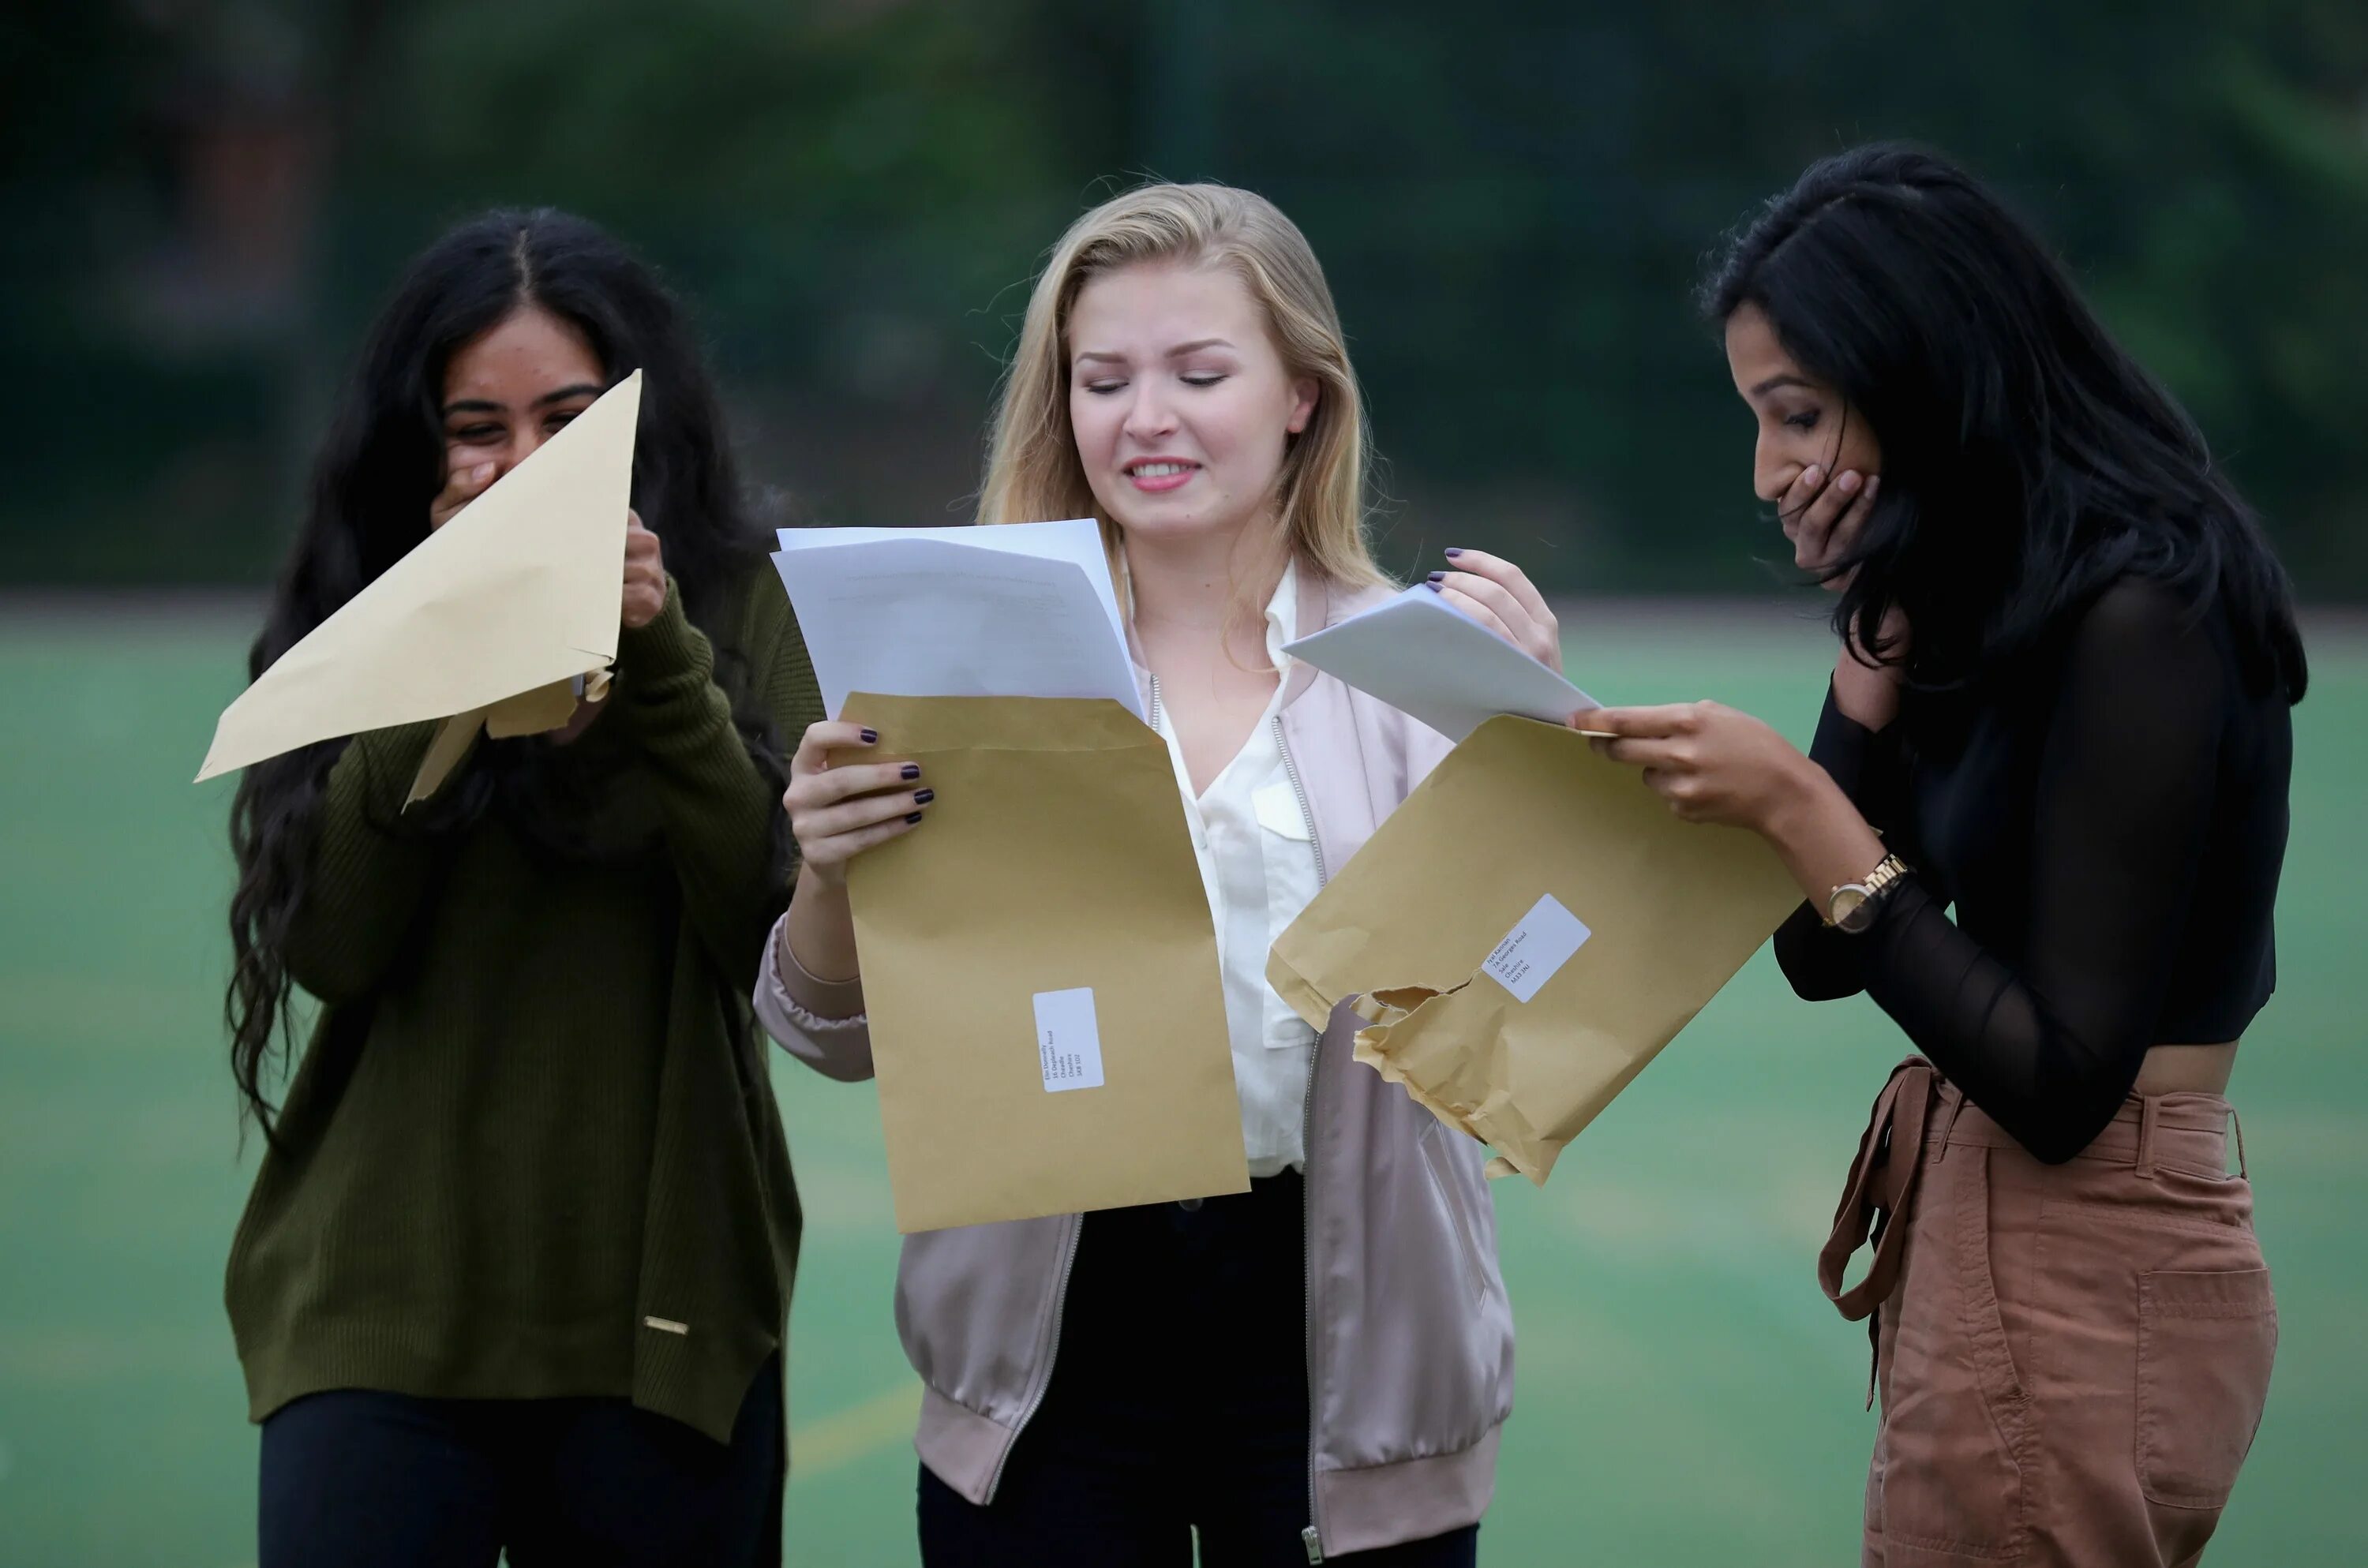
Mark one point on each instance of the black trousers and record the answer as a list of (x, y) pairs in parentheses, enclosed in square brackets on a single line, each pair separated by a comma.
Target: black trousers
[(355, 1478), (1178, 1407)]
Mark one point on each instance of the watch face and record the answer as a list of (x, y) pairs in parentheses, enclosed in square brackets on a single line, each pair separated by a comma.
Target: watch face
[(1849, 909)]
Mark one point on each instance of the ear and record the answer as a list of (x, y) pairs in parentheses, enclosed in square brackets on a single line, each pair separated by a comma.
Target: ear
[(1304, 392)]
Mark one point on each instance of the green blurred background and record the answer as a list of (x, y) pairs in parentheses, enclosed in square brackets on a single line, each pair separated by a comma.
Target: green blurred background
[(202, 201)]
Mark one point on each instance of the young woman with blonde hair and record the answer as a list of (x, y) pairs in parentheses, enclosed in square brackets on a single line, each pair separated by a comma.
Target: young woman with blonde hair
[(1318, 1367)]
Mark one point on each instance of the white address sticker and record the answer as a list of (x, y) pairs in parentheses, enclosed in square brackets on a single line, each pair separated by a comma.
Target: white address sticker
[(1536, 948), (1069, 1042)]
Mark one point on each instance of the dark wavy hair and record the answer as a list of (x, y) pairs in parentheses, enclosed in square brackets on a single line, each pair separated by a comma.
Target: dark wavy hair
[(380, 466), (2028, 461)]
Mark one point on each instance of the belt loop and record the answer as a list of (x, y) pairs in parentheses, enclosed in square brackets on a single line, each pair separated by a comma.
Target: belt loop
[(2239, 1121), (1956, 1102), (2149, 1113)]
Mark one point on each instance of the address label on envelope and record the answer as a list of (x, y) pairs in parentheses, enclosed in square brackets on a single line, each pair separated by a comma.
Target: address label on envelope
[(1068, 1040), (1535, 950), (1510, 1017)]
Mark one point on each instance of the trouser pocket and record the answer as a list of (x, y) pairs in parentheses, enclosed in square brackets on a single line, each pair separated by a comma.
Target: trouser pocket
[(2205, 1345)]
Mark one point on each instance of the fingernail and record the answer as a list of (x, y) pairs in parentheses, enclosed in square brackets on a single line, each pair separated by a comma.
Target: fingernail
[(1433, 585), (911, 770), (915, 817), (1873, 484), (1811, 474), (1435, 578), (923, 797), (1848, 483), (1453, 553), (482, 471), (872, 737)]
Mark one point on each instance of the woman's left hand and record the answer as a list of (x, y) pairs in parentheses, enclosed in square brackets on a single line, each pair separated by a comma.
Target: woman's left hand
[(645, 580), (1710, 763), (1500, 596)]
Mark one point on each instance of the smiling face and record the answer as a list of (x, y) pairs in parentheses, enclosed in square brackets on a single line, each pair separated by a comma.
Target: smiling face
[(1803, 420), (511, 389), (1180, 405)]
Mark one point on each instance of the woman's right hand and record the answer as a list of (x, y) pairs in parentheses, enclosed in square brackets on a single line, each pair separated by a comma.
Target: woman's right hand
[(1824, 520), (461, 485), (838, 812)]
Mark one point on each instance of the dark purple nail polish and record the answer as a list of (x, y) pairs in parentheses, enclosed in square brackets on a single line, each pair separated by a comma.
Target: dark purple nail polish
[(912, 770), (1434, 578), (1432, 586), (872, 737), (915, 817), (1453, 553), (923, 797)]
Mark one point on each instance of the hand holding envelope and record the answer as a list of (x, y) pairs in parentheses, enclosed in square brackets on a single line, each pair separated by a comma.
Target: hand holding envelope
[(497, 621), (1048, 1027), (1039, 964), (1530, 928)]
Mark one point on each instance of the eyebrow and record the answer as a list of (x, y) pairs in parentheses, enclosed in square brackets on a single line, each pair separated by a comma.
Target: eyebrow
[(1785, 379), (1175, 353), (480, 406)]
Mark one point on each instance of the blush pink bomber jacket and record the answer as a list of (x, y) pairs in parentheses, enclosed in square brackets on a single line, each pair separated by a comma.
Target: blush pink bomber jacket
[(1409, 1333)]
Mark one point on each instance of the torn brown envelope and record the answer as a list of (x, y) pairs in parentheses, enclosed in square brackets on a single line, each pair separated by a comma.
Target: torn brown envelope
[(1040, 969), (1520, 811), (486, 622)]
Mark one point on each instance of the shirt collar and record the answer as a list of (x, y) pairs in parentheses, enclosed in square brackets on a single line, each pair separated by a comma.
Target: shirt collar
[(1282, 616)]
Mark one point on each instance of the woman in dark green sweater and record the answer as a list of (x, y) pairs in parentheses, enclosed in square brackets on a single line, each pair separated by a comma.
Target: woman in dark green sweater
[(515, 1270)]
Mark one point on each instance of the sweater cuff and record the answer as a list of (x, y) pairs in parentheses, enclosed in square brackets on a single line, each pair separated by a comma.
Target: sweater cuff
[(815, 1003)]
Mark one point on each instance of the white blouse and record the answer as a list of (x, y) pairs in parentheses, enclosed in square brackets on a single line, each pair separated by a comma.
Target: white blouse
[(1256, 850)]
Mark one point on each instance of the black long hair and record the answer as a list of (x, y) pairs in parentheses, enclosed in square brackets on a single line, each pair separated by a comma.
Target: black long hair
[(2028, 461), (382, 462)]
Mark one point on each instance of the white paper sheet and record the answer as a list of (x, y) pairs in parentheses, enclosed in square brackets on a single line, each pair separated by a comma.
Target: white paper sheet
[(1026, 609), (1079, 539), (1423, 656)]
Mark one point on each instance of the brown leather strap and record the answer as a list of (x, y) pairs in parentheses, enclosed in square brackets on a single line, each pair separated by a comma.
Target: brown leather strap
[(1882, 1180)]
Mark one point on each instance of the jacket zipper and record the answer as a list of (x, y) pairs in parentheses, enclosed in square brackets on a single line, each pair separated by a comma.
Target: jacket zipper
[(1311, 1538), (1060, 1306)]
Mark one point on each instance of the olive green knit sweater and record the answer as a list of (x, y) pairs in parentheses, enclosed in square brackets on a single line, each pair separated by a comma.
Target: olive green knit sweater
[(530, 1149)]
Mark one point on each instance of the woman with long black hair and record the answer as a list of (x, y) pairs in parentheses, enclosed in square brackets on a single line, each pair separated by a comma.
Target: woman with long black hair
[(516, 1265), (2061, 708)]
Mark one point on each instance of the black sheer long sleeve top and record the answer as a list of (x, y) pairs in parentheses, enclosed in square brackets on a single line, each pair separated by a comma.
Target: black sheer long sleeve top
[(2107, 827)]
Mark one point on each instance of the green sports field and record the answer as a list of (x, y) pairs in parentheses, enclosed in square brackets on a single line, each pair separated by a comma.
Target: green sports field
[(1686, 1395)]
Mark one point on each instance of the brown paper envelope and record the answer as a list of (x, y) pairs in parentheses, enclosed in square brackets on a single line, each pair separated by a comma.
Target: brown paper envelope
[(497, 610), (1055, 860), (1519, 811), (535, 713), (539, 712)]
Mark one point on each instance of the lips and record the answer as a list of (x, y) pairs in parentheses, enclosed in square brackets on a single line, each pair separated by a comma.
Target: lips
[(1155, 474)]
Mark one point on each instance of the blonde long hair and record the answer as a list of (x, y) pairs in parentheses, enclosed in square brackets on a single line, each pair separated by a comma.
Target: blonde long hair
[(1032, 472)]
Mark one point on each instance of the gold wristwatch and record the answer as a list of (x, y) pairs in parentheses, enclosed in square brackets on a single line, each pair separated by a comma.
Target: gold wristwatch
[(1853, 906)]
